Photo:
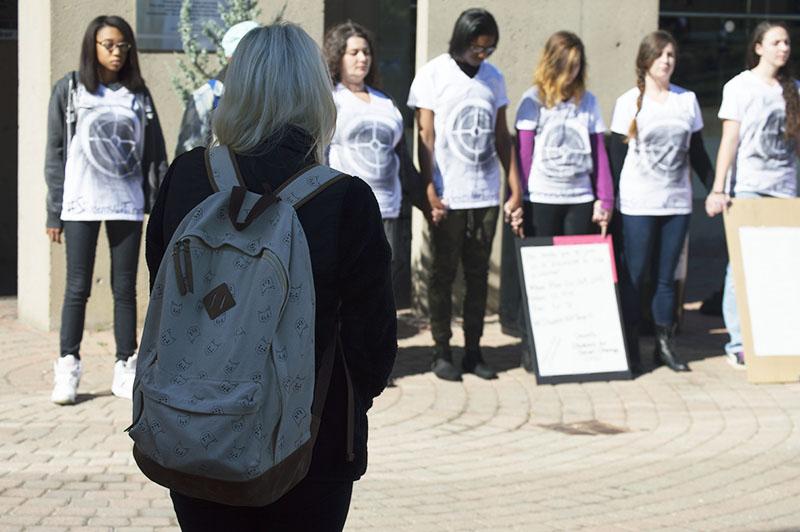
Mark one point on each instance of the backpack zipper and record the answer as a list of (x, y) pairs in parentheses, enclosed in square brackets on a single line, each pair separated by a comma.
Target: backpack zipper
[(185, 280), (283, 278)]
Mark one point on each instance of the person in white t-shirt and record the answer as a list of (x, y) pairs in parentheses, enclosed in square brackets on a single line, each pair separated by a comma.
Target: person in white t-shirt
[(656, 141), (460, 102), (760, 115), (105, 162), (560, 143), (368, 141)]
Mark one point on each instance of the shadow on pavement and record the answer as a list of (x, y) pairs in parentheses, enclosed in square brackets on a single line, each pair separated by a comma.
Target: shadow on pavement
[(700, 337), (414, 360), (84, 397)]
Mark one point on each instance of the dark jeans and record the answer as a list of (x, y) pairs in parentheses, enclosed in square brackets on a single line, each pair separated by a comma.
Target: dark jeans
[(464, 235), (643, 236), (545, 219), (124, 238), (310, 506), (398, 234)]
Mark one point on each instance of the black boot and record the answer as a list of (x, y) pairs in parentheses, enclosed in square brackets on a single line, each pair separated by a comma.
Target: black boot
[(665, 348), (634, 356), (473, 363), (443, 366)]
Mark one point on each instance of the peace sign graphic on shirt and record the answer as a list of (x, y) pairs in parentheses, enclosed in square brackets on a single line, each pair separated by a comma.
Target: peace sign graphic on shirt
[(470, 131)]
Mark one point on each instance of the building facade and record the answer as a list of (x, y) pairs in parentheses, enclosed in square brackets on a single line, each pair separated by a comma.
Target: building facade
[(409, 33)]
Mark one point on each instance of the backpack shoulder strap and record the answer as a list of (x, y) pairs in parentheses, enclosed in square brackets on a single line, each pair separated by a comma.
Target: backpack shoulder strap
[(304, 185), (222, 168)]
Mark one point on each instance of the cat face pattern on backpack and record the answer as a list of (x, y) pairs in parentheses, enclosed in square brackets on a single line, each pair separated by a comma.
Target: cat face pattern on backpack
[(228, 374)]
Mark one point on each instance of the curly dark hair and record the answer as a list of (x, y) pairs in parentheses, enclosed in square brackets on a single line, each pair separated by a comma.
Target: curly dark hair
[(336, 43), (785, 77)]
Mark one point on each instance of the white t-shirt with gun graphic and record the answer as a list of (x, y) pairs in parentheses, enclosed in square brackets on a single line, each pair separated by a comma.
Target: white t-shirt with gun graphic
[(466, 170), (103, 174), (766, 159)]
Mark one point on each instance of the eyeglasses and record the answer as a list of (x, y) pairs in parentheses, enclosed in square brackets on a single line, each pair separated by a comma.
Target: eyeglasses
[(488, 50), (121, 46)]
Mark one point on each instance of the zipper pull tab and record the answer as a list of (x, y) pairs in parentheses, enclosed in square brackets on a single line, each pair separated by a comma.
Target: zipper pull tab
[(176, 261), (187, 257)]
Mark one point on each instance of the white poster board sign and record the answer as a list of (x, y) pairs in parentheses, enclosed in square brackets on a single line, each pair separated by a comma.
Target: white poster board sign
[(771, 262), (572, 308), (763, 235)]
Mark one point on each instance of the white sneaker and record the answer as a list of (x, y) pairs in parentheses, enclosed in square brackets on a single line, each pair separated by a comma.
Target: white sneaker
[(66, 376), (124, 373)]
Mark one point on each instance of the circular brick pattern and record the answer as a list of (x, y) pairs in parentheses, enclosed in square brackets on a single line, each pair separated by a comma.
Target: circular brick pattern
[(697, 451)]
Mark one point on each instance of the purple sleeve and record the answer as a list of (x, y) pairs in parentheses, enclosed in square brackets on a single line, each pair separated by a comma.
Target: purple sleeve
[(601, 172), (525, 141)]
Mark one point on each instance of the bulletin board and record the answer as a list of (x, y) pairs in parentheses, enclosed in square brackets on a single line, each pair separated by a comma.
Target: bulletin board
[(571, 307), (763, 238)]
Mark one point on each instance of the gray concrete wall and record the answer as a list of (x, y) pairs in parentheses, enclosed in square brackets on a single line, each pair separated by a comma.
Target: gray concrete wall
[(610, 29), (44, 57)]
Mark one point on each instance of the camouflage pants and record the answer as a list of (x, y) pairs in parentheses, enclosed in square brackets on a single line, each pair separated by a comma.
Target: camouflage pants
[(465, 235)]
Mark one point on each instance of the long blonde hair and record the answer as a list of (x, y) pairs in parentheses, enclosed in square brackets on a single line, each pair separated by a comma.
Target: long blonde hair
[(562, 53), (277, 78)]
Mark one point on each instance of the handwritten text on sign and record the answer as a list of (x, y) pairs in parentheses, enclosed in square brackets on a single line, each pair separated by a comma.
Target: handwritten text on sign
[(573, 309)]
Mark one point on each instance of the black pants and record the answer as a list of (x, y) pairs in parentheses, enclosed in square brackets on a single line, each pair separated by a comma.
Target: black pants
[(545, 219), (313, 506), (398, 234), (124, 238), (465, 235)]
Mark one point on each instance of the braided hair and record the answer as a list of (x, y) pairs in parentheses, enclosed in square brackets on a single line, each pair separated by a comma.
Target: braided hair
[(784, 77), (649, 50)]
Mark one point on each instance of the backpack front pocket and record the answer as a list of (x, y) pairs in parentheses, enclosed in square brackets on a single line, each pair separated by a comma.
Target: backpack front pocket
[(212, 428)]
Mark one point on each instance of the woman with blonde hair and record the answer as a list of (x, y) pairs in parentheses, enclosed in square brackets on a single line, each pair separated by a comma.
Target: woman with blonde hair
[(277, 116), (560, 145), (656, 142)]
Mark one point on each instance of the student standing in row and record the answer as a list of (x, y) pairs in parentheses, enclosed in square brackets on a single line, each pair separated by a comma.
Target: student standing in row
[(560, 145), (368, 141), (461, 103), (105, 161), (760, 115), (656, 137)]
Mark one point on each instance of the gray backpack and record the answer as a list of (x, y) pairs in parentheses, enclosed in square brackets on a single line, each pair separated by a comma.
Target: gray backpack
[(225, 402)]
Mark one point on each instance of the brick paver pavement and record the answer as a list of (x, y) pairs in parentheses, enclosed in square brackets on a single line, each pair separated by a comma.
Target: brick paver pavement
[(697, 451)]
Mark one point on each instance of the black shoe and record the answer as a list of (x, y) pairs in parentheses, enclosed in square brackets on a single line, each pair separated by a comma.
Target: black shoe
[(484, 371), (527, 359), (665, 349), (445, 370), (473, 363), (637, 369)]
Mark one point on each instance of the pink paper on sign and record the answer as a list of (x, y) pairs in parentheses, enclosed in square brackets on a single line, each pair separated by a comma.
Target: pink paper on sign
[(572, 240)]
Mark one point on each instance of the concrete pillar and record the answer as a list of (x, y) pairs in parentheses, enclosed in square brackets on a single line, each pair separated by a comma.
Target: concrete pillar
[(611, 31), (50, 34)]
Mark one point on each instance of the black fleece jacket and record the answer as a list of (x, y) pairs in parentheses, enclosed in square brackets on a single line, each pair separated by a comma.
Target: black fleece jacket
[(350, 259), (61, 122)]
